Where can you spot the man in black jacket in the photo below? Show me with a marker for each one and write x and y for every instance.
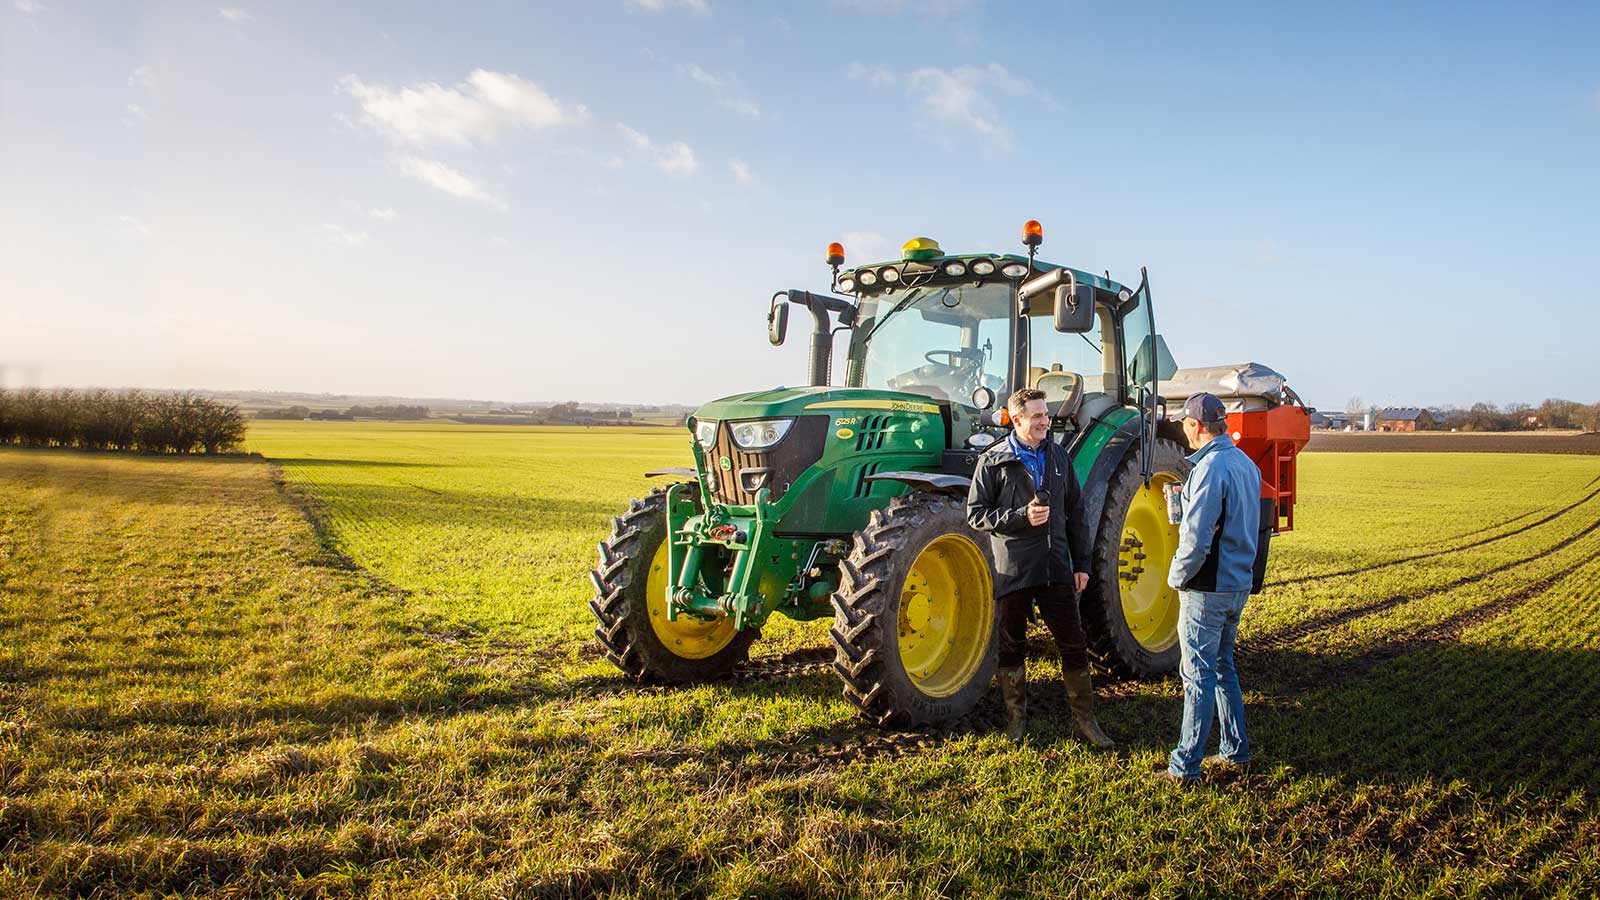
(1024, 494)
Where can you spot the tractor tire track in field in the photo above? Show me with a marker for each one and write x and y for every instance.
(805, 661)
(1301, 579)
(1284, 637)
(1517, 518)
(1337, 670)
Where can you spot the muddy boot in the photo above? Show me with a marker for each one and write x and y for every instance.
(1080, 693)
(1014, 688)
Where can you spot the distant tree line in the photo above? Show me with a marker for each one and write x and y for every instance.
(119, 420)
(397, 411)
(1552, 413)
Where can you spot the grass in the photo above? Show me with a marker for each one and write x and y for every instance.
(202, 695)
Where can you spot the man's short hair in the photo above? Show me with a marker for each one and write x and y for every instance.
(1214, 428)
(1018, 402)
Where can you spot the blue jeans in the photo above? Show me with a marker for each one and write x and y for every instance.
(1208, 626)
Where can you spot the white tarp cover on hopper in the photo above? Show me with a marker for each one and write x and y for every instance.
(1240, 386)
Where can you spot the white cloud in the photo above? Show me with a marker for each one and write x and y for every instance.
(867, 246)
(960, 97)
(439, 176)
(481, 107)
(134, 225)
(143, 78)
(700, 7)
(676, 158)
(133, 114)
(724, 89)
(742, 174)
(383, 214)
(344, 236)
(235, 15)
(28, 7)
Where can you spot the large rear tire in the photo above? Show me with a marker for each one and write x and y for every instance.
(913, 626)
(1129, 613)
(630, 603)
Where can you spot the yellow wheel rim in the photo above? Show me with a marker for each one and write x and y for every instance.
(946, 615)
(1148, 544)
(687, 636)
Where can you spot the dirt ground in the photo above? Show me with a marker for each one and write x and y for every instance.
(1460, 442)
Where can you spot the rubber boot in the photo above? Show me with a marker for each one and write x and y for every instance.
(1080, 693)
(1014, 689)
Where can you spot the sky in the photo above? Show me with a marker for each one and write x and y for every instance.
(594, 201)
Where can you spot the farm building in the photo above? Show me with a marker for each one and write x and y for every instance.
(1405, 419)
(1333, 421)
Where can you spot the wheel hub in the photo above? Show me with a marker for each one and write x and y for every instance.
(1149, 542)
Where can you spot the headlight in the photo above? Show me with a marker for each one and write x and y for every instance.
(867, 279)
(760, 435)
(983, 267)
(1014, 270)
(706, 434)
(889, 275)
(847, 283)
(955, 269)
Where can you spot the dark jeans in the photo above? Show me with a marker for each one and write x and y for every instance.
(1058, 607)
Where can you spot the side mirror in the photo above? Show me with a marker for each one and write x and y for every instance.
(1075, 307)
(777, 321)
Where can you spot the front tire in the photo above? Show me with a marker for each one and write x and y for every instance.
(1129, 613)
(630, 604)
(913, 628)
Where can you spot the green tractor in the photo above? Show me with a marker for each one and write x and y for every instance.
(848, 502)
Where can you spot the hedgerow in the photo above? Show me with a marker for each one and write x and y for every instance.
(119, 420)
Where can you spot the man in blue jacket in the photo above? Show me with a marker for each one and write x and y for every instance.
(1213, 572)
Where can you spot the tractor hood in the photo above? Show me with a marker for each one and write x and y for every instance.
(813, 400)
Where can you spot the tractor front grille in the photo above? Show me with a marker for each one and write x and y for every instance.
(748, 471)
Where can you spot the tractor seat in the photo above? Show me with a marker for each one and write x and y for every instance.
(1063, 391)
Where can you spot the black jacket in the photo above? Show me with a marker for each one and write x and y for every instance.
(1027, 555)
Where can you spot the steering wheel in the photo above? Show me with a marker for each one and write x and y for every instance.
(952, 356)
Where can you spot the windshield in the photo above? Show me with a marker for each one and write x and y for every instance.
(942, 341)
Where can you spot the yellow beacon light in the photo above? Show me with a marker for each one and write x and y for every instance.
(921, 248)
(1032, 233)
(835, 254)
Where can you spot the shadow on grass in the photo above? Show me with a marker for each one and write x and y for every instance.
(1493, 717)
(404, 505)
(312, 461)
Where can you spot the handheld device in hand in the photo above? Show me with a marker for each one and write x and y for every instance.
(1041, 497)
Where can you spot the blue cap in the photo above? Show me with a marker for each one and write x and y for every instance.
(1203, 408)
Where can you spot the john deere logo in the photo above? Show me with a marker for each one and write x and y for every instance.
(844, 434)
(726, 464)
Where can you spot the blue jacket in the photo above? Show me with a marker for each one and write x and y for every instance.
(1221, 521)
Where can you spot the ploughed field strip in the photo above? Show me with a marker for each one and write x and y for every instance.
(195, 697)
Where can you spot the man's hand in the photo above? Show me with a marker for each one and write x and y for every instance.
(1038, 513)
(1080, 581)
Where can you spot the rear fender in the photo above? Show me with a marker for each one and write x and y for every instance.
(954, 485)
(1124, 441)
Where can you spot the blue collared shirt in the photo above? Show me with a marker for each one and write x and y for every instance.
(1223, 477)
(1036, 459)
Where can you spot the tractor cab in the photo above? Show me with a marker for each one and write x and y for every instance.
(967, 330)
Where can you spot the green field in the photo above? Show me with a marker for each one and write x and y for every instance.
(203, 694)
